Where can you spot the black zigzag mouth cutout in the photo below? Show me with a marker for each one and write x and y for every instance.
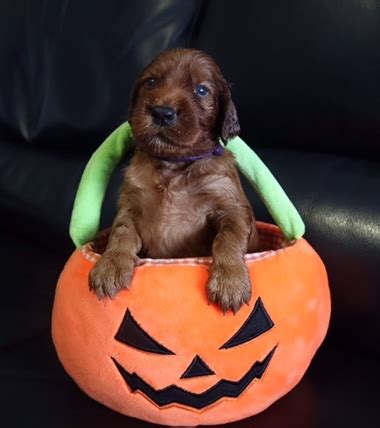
(173, 394)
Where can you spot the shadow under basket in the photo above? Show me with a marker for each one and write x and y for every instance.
(160, 352)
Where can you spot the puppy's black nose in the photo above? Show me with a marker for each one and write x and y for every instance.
(163, 115)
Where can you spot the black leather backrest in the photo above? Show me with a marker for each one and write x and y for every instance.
(67, 68)
(305, 73)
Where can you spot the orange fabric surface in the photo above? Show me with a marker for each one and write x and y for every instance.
(169, 302)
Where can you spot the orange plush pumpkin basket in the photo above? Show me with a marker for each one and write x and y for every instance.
(161, 353)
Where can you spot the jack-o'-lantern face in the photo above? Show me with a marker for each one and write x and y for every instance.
(132, 334)
(161, 353)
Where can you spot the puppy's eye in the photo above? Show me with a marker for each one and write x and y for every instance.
(201, 90)
(152, 81)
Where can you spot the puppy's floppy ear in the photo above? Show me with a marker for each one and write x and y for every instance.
(228, 122)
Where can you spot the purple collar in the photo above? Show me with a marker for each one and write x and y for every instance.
(217, 151)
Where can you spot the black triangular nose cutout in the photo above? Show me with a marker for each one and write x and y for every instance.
(197, 368)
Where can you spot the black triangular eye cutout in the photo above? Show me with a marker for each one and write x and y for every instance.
(197, 368)
(256, 324)
(133, 335)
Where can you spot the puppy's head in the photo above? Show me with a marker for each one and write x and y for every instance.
(181, 104)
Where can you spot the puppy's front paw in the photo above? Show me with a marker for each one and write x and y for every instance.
(109, 276)
(229, 288)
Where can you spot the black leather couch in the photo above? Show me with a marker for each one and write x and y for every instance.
(306, 78)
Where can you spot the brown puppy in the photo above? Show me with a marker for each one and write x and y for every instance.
(181, 197)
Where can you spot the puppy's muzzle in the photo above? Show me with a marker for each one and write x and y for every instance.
(163, 115)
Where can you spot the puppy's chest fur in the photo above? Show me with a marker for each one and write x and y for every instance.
(174, 208)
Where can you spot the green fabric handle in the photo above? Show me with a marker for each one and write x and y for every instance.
(85, 217)
(271, 193)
